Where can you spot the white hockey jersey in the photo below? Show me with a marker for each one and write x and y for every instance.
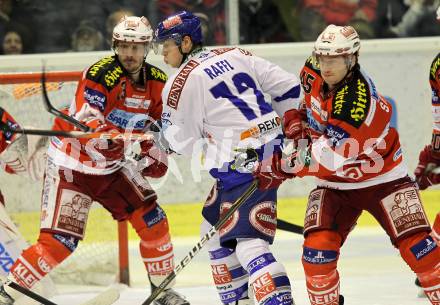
(225, 99)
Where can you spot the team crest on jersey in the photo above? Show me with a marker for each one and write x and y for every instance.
(73, 212)
(178, 83)
(263, 217)
(405, 210)
(232, 220)
(314, 204)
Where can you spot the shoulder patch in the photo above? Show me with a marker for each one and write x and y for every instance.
(154, 73)
(107, 72)
(351, 102)
(178, 83)
(313, 64)
(435, 67)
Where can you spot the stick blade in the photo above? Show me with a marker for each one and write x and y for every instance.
(107, 297)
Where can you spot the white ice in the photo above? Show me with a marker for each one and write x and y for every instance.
(372, 273)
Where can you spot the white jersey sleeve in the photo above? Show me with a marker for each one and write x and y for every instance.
(283, 87)
(183, 120)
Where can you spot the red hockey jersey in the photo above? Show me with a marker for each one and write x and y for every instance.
(124, 105)
(354, 143)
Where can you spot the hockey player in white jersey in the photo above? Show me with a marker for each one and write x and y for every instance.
(218, 103)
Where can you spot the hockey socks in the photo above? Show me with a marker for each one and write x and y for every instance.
(267, 277)
(320, 256)
(39, 259)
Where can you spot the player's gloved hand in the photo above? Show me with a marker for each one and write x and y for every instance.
(269, 172)
(7, 123)
(13, 146)
(428, 170)
(294, 125)
(156, 129)
(103, 149)
(154, 161)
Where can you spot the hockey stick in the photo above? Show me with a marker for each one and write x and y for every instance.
(289, 227)
(187, 259)
(28, 293)
(107, 297)
(79, 134)
(49, 107)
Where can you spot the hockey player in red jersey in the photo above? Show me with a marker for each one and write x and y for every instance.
(428, 170)
(356, 157)
(122, 93)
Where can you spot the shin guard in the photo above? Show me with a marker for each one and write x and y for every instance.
(267, 277)
(320, 257)
(421, 252)
(230, 278)
(156, 249)
(39, 259)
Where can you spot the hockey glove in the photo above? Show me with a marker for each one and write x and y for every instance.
(154, 161)
(159, 138)
(428, 170)
(103, 149)
(294, 124)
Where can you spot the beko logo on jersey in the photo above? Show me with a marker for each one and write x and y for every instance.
(178, 83)
(127, 120)
(95, 98)
(262, 129)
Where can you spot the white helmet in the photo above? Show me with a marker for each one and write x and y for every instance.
(337, 40)
(133, 29)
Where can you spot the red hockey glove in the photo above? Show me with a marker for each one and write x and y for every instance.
(7, 122)
(428, 170)
(294, 125)
(111, 150)
(153, 160)
(270, 172)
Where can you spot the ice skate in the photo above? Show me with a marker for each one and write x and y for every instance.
(421, 292)
(169, 297)
(5, 298)
(341, 299)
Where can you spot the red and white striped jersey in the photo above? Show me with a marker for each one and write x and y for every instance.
(125, 105)
(354, 143)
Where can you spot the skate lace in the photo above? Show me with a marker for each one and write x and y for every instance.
(171, 297)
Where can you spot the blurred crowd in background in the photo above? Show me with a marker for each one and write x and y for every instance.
(40, 26)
